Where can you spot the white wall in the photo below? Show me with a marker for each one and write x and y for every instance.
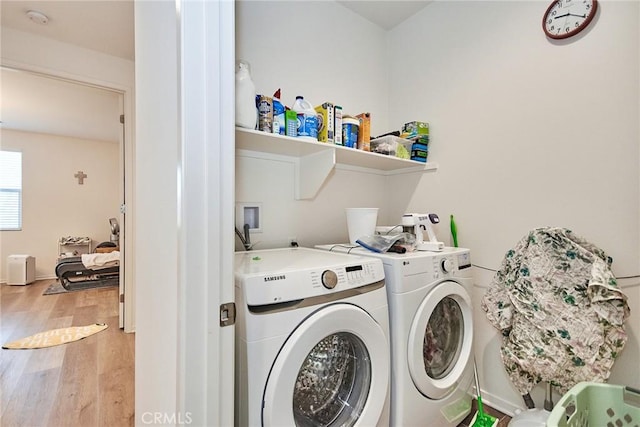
(32, 52)
(54, 205)
(343, 63)
(317, 49)
(526, 132)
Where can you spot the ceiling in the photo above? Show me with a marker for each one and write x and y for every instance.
(102, 25)
(36, 103)
(41, 104)
(386, 14)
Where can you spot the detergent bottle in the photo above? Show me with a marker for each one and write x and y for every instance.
(279, 122)
(246, 111)
(307, 119)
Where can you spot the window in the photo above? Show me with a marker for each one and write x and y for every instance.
(10, 190)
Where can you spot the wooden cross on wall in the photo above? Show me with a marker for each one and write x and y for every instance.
(81, 176)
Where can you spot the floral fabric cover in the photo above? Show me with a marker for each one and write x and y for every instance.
(559, 309)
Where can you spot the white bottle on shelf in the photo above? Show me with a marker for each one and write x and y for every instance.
(246, 111)
(307, 119)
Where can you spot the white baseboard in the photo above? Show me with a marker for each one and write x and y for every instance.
(4, 281)
(501, 404)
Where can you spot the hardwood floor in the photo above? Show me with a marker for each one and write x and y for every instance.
(503, 420)
(84, 383)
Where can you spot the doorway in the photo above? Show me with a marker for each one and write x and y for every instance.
(84, 120)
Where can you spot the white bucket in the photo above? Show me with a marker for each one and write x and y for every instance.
(530, 418)
(361, 222)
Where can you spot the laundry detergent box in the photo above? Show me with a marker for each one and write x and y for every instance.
(414, 129)
(326, 127)
(420, 151)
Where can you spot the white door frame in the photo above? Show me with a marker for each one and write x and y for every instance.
(206, 219)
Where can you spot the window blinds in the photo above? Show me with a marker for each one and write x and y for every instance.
(10, 190)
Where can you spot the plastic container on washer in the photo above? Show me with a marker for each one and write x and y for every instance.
(307, 119)
(530, 418)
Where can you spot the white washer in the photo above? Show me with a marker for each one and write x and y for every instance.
(431, 326)
(312, 342)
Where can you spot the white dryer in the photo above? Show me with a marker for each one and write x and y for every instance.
(431, 326)
(312, 343)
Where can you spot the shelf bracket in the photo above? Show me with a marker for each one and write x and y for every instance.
(311, 171)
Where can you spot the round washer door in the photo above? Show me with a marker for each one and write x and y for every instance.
(333, 370)
(440, 340)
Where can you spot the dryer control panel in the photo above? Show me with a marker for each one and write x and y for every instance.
(450, 265)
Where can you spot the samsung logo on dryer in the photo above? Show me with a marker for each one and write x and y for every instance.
(272, 278)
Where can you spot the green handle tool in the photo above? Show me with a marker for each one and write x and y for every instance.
(454, 232)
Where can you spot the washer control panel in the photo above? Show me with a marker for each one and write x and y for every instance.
(282, 275)
(344, 277)
(329, 279)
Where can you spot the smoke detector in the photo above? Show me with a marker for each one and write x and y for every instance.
(38, 17)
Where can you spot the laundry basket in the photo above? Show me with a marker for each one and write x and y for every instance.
(597, 405)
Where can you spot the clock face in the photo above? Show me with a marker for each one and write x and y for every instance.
(566, 18)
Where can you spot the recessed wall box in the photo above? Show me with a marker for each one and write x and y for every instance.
(249, 213)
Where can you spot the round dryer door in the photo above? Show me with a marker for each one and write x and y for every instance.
(440, 340)
(332, 371)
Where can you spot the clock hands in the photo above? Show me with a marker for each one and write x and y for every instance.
(569, 14)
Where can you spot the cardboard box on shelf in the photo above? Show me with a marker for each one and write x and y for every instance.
(337, 122)
(326, 127)
(364, 136)
(414, 129)
(419, 152)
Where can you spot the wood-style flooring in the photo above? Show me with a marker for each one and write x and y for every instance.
(503, 420)
(84, 383)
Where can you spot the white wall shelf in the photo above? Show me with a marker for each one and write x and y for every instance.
(315, 160)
